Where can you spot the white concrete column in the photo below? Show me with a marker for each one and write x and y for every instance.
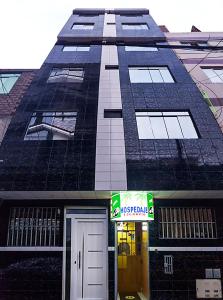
(110, 168)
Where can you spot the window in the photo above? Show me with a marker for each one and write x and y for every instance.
(112, 113)
(195, 45)
(215, 75)
(51, 126)
(187, 223)
(7, 81)
(168, 264)
(165, 125)
(74, 75)
(140, 48)
(150, 75)
(34, 226)
(131, 15)
(213, 273)
(88, 15)
(202, 44)
(83, 26)
(76, 48)
(135, 26)
(111, 67)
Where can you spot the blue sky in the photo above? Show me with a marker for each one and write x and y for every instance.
(29, 28)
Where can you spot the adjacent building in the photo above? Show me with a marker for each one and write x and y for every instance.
(201, 53)
(111, 171)
(13, 84)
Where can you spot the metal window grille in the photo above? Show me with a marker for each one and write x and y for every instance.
(168, 264)
(34, 226)
(187, 223)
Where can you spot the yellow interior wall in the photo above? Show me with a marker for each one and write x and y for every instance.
(133, 268)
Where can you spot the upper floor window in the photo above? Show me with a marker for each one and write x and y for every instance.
(165, 125)
(215, 75)
(7, 81)
(135, 26)
(150, 75)
(131, 15)
(76, 48)
(194, 44)
(140, 48)
(83, 26)
(66, 75)
(51, 126)
(202, 44)
(88, 15)
(187, 223)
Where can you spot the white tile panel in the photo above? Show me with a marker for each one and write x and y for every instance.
(103, 150)
(110, 144)
(117, 143)
(118, 150)
(103, 186)
(102, 176)
(118, 167)
(119, 185)
(103, 136)
(102, 159)
(104, 168)
(118, 176)
(103, 143)
(118, 159)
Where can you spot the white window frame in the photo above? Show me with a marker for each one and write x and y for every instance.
(140, 49)
(143, 74)
(214, 74)
(76, 48)
(83, 26)
(66, 75)
(135, 26)
(50, 123)
(165, 125)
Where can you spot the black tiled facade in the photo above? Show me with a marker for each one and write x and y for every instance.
(169, 164)
(31, 275)
(54, 165)
(47, 169)
(188, 266)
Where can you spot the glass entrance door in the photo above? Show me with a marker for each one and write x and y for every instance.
(132, 238)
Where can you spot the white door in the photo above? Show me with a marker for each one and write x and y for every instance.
(89, 258)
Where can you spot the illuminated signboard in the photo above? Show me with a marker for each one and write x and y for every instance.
(128, 206)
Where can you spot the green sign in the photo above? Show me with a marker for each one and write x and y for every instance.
(135, 206)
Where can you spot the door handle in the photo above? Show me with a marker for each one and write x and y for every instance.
(79, 259)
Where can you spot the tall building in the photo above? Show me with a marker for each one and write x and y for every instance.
(111, 171)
